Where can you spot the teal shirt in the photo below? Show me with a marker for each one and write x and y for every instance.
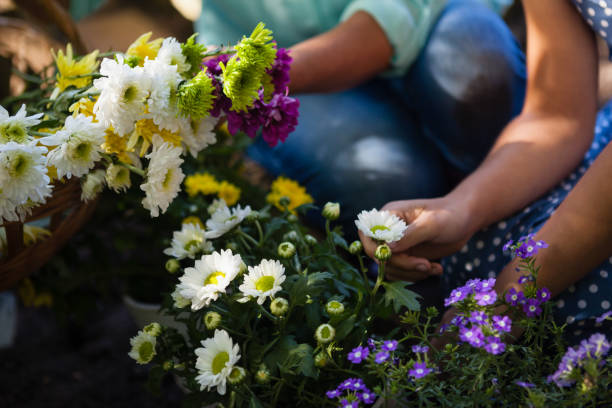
(405, 22)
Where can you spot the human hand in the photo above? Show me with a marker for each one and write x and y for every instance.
(436, 228)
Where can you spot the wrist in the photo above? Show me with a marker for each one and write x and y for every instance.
(466, 205)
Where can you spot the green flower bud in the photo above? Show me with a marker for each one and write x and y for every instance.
(279, 306)
(331, 211)
(195, 97)
(291, 236)
(325, 333)
(232, 246)
(253, 216)
(172, 265)
(168, 365)
(310, 240)
(383, 253)
(356, 247)
(432, 311)
(292, 218)
(243, 268)
(236, 375)
(286, 249)
(284, 201)
(334, 308)
(179, 366)
(262, 376)
(321, 359)
(154, 329)
(212, 320)
(132, 61)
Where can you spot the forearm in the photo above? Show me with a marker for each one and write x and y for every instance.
(345, 56)
(578, 234)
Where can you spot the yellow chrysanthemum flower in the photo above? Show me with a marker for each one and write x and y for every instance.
(143, 48)
(68, 68)
(84, 106)
(229, 193)
(192, 219)
(117, 145)
(144, 129)
(284, 187)
(204, 183)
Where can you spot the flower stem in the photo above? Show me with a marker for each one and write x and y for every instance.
(379, 279)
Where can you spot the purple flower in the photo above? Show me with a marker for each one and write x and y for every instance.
(543, 295)
(349, 404)
(486, 285)
(494, 345)
(420, 349)
(473, 336)
(514, 298)
(346, 384)
(381, 357)
(331, 394)
(507, 245)
(458, 321)
(478, 317)
(529, 248)
(603, 317)
(352, 384)
(523, 279)
(443, 327)
(600, 345)
(502, 323)
(455, 296)
(371, 343)
(367, 396)
(532, 307)
(212, 64)
(358, 354)
(472, 285)
(524, 384)
(248, 122)
(419, 370)
(280, 118)
(280, 70)
(486, 298)
(389, 345)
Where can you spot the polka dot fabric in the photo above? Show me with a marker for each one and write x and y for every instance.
(598, 14)
(483, 257)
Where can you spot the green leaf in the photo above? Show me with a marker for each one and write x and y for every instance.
(254, 402)
(274, 225)
(345, 328)
(338, 240)
(312, 284)
(397, 294)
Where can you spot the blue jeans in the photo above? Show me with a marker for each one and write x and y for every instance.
(409, 137)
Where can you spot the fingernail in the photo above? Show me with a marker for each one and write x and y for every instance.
(422, 268)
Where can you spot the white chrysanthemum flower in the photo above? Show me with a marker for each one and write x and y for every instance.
(143, 347)
(198, 135)
(118, 177)
(170, 53)
(179, 300)
(381, 225)
(93, 185)
(224, 219)
(23, 176)
(263, 281)
(15, 128)
(164, 176)
(216, 361)
(78, 146)
(123, 93)
(162, 102)
(215, 205)
(209, 277)
(188, 242)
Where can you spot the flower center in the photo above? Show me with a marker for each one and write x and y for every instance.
(145, 351)
(20, 165)
(376, 228)
(265, 283)
(130, 94)
(219, 362)
(167, 178)
(82, 150)
(213, 278)
(325, 333)
(193, 244)
(14, 132)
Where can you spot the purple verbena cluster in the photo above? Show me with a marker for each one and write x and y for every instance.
(573, 364)
(481, 290)
(420, 368)
(352, 391)
(531, 306)
(277, 118)
(525, 247)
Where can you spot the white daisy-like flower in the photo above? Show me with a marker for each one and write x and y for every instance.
(209, 277)
(143, 347)
(215, 362)
(118, 177)
(93, 185)
(224, 219)
(197, 135)
(263, 281)
(23, 176)
(381, 225)
(187, 242)
(179, 300)
(162, 102)
(215, 205)
(170, 53)
(78, 146)
(15, 128)
(164, 176)
(123, 93)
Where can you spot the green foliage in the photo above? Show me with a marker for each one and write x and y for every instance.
(397, 294)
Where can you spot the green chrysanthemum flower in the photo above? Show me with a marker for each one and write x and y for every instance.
(194, 53)
(195, 97)
(258, 48)
(241, 81)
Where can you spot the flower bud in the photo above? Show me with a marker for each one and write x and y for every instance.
(172, 265)
(321, 359)
(284, 202)
(93, 185)
(334, 308)
(279, 306)
(262, 376)
(168, 365)
(383, 253)
(356, 247)
(154, 329)
(252, 217)
(243, 268)
(232, 246)
(325, 333)
(310, 240)
(292, 218)
(331, 211)
(212, 320)
(291, 236)
(236, 375)
(179, 366)
(286, 249)
(118, 178)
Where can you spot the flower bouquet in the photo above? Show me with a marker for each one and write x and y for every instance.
(96, 122)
